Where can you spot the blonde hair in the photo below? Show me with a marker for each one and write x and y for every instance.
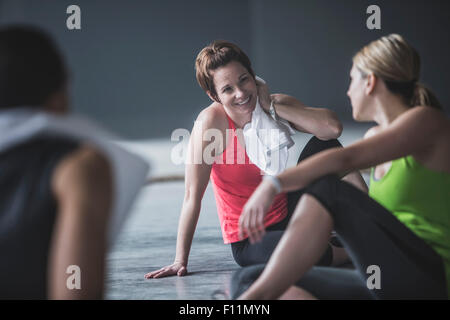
(397, 63)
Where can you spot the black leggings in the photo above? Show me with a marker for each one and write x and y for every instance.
(246, 254)
(409, 267)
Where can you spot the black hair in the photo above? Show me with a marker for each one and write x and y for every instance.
(31, 67)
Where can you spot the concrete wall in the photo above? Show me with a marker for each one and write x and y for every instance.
(132, 64)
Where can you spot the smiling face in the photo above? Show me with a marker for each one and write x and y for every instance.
(358, 97)
(235, 87)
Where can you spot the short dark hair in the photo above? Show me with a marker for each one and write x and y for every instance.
(31, 67)
(216, 55)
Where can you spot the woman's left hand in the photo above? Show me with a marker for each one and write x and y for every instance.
(251, 221)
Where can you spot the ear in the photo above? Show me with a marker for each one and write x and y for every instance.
(212, 97)
(370, 84)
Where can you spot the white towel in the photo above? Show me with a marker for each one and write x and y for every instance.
(129, 171)
(267, 140)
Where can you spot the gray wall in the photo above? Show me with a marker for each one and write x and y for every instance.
(133, 61)
(305, 47)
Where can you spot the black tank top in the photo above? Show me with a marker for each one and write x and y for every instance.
(27, 214)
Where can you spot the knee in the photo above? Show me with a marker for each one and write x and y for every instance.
(324, 190)
(315, 145)
(325, 144)
(239, 256)
(238, 260)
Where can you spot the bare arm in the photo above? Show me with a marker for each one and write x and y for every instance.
(82, 184)
(321, 122)
(196, 181)
(414, 132)
(197, 178)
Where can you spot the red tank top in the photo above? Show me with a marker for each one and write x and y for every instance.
(234, 178)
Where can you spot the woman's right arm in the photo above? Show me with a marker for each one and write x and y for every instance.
(196, 180)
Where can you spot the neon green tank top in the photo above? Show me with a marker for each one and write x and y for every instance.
(420, 199)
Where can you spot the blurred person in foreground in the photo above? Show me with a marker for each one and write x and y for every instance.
(58, 181)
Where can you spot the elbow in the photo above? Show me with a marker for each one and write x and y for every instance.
(332, 127)
(188, 196)
(336, 128)
(192, 197)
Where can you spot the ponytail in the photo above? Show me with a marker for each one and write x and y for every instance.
(423, 96)
(397, 63)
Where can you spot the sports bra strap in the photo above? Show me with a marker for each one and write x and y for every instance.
(230, 122)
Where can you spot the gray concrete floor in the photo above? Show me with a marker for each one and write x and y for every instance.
(147, 240)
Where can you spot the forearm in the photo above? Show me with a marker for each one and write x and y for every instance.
(186, 229)
(321, 122)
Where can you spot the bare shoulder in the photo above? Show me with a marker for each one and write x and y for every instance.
(430, 128)
(425, 116)
(424, 121)
(213, 117)
(85, 168)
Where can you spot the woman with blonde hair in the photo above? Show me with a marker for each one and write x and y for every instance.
(398, 236)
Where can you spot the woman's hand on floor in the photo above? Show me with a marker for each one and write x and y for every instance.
(174, 269)
(251, 221)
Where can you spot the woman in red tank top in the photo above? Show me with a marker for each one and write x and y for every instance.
(224, 71)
